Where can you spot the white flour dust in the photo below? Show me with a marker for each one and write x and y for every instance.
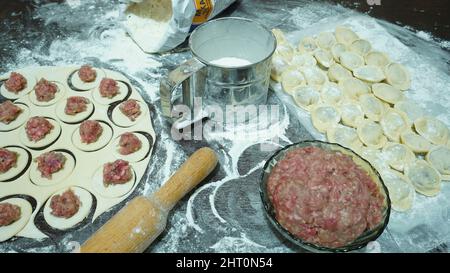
(231, 62)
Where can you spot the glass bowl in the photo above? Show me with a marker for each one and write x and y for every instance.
(363, 239)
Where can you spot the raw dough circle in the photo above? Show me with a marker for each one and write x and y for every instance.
(59, 94)
(306, 97)
(79, 84)
(303, 59)
(325, 40)
(307, 45)
(22, 161)
(432, 129)
(101, 142)
(123, 92)
(338, 73)
(345, 35)
(398, 76)
(111, 191)
(369, 73)
(62, 223)
(398, 155)
(351, 60)
(360, 47)
(331, 93)
(325, 116)
(31, 82)
(401, 192)
(47, 140)
(123, 121)
(136, 156)
(439, 158)
(345, 136)
(425, 179)
(387, 93)
(6, 232)
(36, 177)
(353, 88)
(79, 117)
(377, 58)
(19, 121)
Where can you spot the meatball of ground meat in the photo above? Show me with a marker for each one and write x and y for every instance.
(45, 91)
(65, 205)
(109, 88)
(16, 82)
(76, 105)
(90, 131)
(131, 109)
(8, 160)
(9, 213)
(129, 143)
(117, 172)
(9, 112)
(50, 163)
(87, 73)
(37, 128)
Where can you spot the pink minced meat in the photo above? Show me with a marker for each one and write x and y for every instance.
(45, 91)
(129, 143)
(131, 109)
(117, 172)
(16, 82)
(108, 88)
(65, 205)
(9, 112)
(87, 73)
(323, 197)
(90, 131)
(50, 163)
(37, 128)
(9, 213)
(76, 105)
(8, 160)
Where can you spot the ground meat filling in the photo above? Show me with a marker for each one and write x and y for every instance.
(8, 160)
(9, 213)
(9, 112)
(90, 131)
(323, 197)
(117, 172)
(37, 128)
(109, 88)
(16, 83)
(131, 109)
(87, 73)
(65, 205)
(76, 105)
(45, 91)
(50, 163)
(129, 143)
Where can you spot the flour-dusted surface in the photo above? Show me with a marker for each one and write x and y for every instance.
(224, 213)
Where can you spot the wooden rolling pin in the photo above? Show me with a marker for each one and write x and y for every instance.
(144, 218)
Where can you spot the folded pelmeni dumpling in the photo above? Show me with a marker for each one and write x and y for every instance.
(401, 191)
(425, 179)
(345, 35)
(351, 60)
(371, 134)
(291, 78)
(314, 76)
(375, 158)
(285, 50)
(324, 57)
(387, 93)
(279, 36)
(307, 45)
(337, 73)
(279, 65)
(360, 47)
(331, 93)
(336, 51)
(394, 123)
(303, 59)
(306, 97)
(346, 136)
(398, 155)
(369, 73)
(324, 116)
(372, 107)
(353, 88)
(432, 129)
(351, 114)
(439, 158)
(398, 76)
(411, 109)
(377, 58)
(325, 40)
(415, 142)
